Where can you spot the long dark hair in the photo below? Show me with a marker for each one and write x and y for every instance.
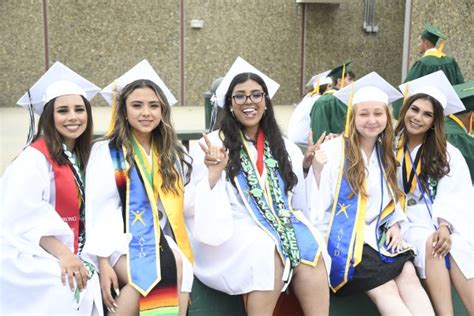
(434, 160)
(47, 129)
(164, 136)
(230, 126)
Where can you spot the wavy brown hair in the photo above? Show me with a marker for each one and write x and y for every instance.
(356, 172)
(230, 126)
(165, 140)
(47, 129)
(434, 157)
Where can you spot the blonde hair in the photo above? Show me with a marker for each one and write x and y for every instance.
(355, 171)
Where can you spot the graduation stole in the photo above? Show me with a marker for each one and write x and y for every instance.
(150, 261)
(270, 207)
(330, 91)
(436, 52)
(346, 228)
(410, 175)
(68, 199)
(459, 122)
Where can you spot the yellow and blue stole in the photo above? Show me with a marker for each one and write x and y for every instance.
(270, 207)
(346, 228)
(150, 261)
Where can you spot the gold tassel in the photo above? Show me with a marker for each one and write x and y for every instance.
(349, 110)
(316, 88)
(343, 75)
(440, 48)
(114, 110)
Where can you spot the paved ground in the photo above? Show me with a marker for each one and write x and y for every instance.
(14, 125)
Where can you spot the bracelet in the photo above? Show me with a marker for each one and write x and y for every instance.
(448, 226)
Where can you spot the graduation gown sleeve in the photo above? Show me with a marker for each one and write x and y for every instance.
(328, 115)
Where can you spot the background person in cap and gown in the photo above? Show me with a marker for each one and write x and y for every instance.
(433, 59)
(135, 185)
(299, 124)
(328, 113)
(249, 233)
(355, 201)
(458, 127)
(440, 204)
(42, 234)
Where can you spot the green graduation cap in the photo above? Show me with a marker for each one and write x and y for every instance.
(465, 92)
(432, 33)
(336, 73)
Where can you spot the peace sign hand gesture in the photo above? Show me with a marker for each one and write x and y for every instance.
(215, 159)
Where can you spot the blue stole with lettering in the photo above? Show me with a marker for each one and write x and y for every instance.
(267, 208)
(347, 225)
(141, 218)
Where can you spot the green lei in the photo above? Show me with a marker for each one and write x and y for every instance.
(282, 221)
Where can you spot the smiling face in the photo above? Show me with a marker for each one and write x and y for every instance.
(70, 118)
(370, 118)
(419, 118)
(248, 105)
(143, 111)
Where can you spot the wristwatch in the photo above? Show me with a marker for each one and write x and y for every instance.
(448, 226)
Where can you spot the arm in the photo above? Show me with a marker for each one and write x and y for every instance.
(71, 265)
(212, 223)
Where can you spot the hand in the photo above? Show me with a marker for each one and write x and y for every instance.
(393, 239)
(320, 158)
(72, 267)
(216, 158)
(108, 280)
(312, 148)
(441, 242)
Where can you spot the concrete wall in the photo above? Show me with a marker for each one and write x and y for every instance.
(290, 42)
(335, 34)
(455, 19)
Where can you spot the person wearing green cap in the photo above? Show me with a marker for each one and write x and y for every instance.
(328, 113)
(431, 46)
(458, 126)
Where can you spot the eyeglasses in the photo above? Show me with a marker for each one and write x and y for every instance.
(255, 97)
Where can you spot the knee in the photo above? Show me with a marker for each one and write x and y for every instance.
(429, 244)
(408, 274)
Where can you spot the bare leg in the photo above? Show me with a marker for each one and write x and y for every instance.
(387, 299)
(437, 281)
(411, 291)
(311, 288)
(464, 287)
(128, 300)
(262, 303)
(183, 296)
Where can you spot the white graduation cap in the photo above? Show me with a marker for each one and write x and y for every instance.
(142, 70)
(438, 86)
(371, 87)
(240, 66)
(57, 81)
(319, 80)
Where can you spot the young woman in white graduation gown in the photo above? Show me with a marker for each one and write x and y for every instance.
(135, 185)
(354, 198)
(439, 194)
(248, 232)
(42, 205)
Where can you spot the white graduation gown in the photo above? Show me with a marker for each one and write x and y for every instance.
(105, 231)
(232, 253)
(30, 277)
(322, 197)
(454, 203)
(299, 125)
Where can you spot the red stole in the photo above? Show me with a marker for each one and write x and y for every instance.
(67, 194)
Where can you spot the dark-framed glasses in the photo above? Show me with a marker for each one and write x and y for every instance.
(255, 97)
